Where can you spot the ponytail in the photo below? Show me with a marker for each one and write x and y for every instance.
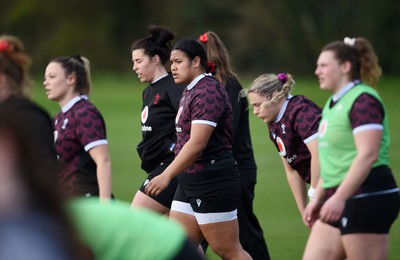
(369, 67)
(80, 66)
(14, 64)
(218, 54)
(360, 53)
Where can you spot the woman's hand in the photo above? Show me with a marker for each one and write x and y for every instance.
(311, 213)
(332, 209)
(157, 185)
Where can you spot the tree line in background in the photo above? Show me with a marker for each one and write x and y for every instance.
(261, 35)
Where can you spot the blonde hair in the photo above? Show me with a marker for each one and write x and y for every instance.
(273, 87)
(14, 64)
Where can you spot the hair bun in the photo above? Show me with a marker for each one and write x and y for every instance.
(160, 34)
(282, 77)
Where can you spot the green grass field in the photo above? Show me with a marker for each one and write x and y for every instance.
(118, 97)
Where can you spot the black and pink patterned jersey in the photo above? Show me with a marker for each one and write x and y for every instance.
(78, 128)
(296, 125)
(366, 112)
(205, 101)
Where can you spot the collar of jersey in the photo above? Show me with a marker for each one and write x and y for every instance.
(194, 82)
(283, 108)
(72, 102)
(344, 90)
(163, 76)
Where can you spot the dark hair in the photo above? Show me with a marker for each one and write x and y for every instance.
(192, 48)
(80, 66)
(14, 63)
(157, 43)
(361, 55)
(218, 54)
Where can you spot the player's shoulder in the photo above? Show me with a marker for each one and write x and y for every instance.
(300, 102)
(84, 108)
(18, 104)
(233, 82)
(208, 84)
(367, 98)
(83, 105)
(26, 111)
(168, 85)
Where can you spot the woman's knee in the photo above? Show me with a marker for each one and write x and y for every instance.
(226, 250)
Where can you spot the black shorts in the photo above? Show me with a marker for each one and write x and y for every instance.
(92, 191)
(371, 214)
(215, 189)
(86, 189)
(167, 195)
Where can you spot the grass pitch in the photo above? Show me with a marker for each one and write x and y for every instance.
(118, 97)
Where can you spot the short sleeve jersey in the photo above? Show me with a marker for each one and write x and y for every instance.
(160, 105)
(205, 101)
(78, 128)
(296, 125)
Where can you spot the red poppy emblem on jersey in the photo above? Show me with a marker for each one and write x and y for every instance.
(322, 127)
(145, 114)
(178, 115)
(281, 146)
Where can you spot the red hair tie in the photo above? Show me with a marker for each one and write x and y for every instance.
(211, 68)
(4, 45)
(203, 38)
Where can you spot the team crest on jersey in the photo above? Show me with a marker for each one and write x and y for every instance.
(145, 114)
(322, 127)
(283, 126)
(178, 115)
(64, 125)
(55, 136)
(281, 146)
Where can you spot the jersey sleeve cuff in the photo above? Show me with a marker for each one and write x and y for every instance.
(94, 144)
(310, 138)
(204, 122)
(362, 128)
